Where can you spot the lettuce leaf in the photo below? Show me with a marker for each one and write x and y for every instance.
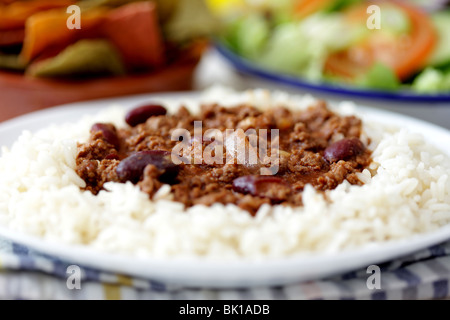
(379, 76)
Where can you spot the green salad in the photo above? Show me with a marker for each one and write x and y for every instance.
(384, 45)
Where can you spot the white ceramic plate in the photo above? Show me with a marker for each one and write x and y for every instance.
(215, 274)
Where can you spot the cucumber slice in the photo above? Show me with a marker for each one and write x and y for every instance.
(432, 81)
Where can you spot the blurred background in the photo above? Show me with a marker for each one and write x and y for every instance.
(393, 55)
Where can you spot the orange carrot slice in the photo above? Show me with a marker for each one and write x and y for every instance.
(49, 29)
(15, 14)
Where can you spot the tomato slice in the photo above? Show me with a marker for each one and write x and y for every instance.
(405, 54)
(304, 8)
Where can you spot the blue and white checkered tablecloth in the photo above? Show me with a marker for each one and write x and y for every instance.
(27, 274)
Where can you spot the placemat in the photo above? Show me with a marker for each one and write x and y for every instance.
(27, 274)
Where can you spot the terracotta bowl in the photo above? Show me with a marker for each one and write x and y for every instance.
(20, 94)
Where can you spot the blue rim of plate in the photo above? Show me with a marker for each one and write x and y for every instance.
(244, 66)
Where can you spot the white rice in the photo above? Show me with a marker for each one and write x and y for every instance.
(406, 192)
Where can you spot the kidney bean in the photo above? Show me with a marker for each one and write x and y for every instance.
(271, 187)
(108, 131)
(132, 168)
(344, 149)
(141, 114)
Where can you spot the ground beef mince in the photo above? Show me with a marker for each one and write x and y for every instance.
(315, 146)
